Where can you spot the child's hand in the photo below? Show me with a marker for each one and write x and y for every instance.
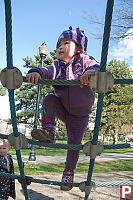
(84, 79)
(33, 77)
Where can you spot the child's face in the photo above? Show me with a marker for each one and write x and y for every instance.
(66, 50)
(3, 149)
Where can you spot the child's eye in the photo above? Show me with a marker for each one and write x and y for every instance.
(58, 45)
(66, 42)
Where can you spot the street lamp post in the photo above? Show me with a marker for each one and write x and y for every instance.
(43, 51)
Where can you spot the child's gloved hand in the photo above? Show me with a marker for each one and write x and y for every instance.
(85, 78)
(33, 77)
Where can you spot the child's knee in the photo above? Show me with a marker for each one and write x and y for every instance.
(49, 99)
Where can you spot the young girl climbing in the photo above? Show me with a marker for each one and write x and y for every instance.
(7, 185)
(71, 104)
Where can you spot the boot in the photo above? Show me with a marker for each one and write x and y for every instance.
(46, 135)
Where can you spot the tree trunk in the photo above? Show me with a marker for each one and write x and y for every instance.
(113, 139)
(116, 138)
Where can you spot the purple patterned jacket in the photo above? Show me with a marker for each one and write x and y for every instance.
(77, 101)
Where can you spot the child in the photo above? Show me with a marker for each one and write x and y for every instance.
(71, 104)
(7, 185)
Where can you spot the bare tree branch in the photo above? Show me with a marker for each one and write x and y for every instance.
(122, 20)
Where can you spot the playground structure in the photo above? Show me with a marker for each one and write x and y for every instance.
(101, 82)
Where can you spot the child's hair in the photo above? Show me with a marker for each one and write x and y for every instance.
(79, 51)
(5, 142)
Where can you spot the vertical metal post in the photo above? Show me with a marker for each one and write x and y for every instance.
(43, 50)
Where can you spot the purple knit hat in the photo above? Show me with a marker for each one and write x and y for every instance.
(77, 35)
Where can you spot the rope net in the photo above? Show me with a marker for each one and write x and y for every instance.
(25, 179)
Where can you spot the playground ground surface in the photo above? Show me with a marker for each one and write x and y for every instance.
(38, 191)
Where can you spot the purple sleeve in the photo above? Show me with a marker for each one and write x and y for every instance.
(45, 72)
(89, 63)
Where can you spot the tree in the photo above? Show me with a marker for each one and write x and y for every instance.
(26, 95)
(2, 91)
(122, 21)
(118, 103)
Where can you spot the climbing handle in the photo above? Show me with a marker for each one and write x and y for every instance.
(93, 150)
(19, 142)
(11, 78)
(101, 82)
(87, 188)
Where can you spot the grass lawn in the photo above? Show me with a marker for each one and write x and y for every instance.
(61, 152)
(99, 167)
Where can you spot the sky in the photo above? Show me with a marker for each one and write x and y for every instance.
(35, 22)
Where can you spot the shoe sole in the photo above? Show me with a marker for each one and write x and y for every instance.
(65, 188)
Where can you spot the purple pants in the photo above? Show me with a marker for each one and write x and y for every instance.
(75, 125)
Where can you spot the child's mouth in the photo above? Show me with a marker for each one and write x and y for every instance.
(61, 52)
